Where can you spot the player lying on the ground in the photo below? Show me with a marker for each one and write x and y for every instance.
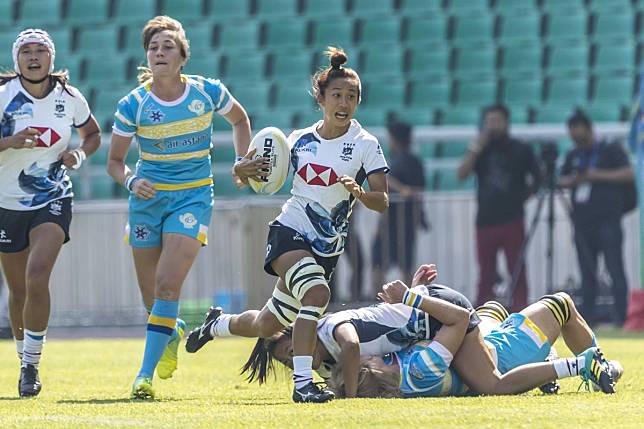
(338, 334)
(518, 345)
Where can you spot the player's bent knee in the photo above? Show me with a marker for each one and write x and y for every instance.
(304, 276)
(560, 305)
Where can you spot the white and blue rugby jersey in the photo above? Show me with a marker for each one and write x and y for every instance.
(32, 178)
(174, 137)
(320, 206)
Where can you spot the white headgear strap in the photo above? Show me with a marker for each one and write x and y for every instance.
(33, 35)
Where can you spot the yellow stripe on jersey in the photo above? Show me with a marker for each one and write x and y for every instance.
(202, 236)
(533, 331)
(177, 128)
(168, 322)
(447, 383)
(427, 359)
(147, 156)
(181, 186)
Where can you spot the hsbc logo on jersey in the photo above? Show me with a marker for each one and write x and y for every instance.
(318, 175)
(48, 137)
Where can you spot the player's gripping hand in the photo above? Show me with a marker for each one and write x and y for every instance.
(425, 274)
(143, 189)
(25, 139)
(392, 292)
(247, 167)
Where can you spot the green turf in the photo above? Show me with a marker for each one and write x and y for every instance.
(86, 384)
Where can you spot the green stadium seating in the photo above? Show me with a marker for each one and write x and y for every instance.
(77, 185)
(562, 6)
(421, 116)
(103, 187)
(226, 10)
(223, 154)
(519, 113)
(97, 73)
(467, 7)
(475, 28)
(609, 6)
(134, 12)
(434, 94)
(133, 43)
(305, 118)
(603, 112)
(279, 34)
(446, 180)
(253, 96)
(421, 7)
(520, 59)
(471, 62)
(381, 61)
(614, 58)
(280, 118)
(613, 89)
(372, 116)
(517, 8)
(380, 30)
(206, 65)
(39, 13)
(249, 68)
(86, 13)
(296, 65)
(106, 99)
(362, 8)
(62, 38)
(614, 26)
(385, 93)
(100, 156)
(425, 29)
(460, 115)
(428, 149)
(315, 8)
(520, 28)
(106, 37)
(453, 149)
(568, 26)
(526, 91)
(337, 32)
(573, 91)
(237, 36)
(476, 92)
(275, 8)
(292, 96)
(72, 63)
(424, 62)
(6, 14)
(200, 36)
(571, 61)
(183, 10)
(553, 113)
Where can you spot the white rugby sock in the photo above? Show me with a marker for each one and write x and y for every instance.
(569, 367)
(302, 370)
(33, 344)
(221, 328)
(19, 347)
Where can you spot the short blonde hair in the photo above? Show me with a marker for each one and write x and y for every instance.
(372, 382)
(156, 25)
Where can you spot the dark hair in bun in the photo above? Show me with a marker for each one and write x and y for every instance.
(322, 78)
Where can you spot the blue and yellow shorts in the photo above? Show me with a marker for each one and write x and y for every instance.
(517, 341)
(185, 212)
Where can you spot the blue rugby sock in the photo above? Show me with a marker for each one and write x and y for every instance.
(161, 325)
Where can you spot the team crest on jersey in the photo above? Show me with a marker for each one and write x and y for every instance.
(156, 115)
(318, 175)
(59, 108)
(347, 151)
(48, 137)
(141, 232)
(197, 107)
(55, 208)
(188, 220)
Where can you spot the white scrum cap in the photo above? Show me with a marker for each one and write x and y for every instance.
(33, 35)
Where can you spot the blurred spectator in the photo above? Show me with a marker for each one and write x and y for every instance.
(599, 175)
(507, 173)
(396, 236)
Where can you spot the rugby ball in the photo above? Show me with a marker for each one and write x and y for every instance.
(271, 143)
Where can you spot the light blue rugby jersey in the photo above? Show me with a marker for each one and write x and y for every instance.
(175, 137)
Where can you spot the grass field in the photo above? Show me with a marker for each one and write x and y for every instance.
(86, 384)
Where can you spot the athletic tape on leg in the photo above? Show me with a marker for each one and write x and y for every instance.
(303, 275)
(284, 307)
(310, 312)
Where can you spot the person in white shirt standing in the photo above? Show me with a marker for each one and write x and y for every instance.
(331, 160)
(39, 110)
